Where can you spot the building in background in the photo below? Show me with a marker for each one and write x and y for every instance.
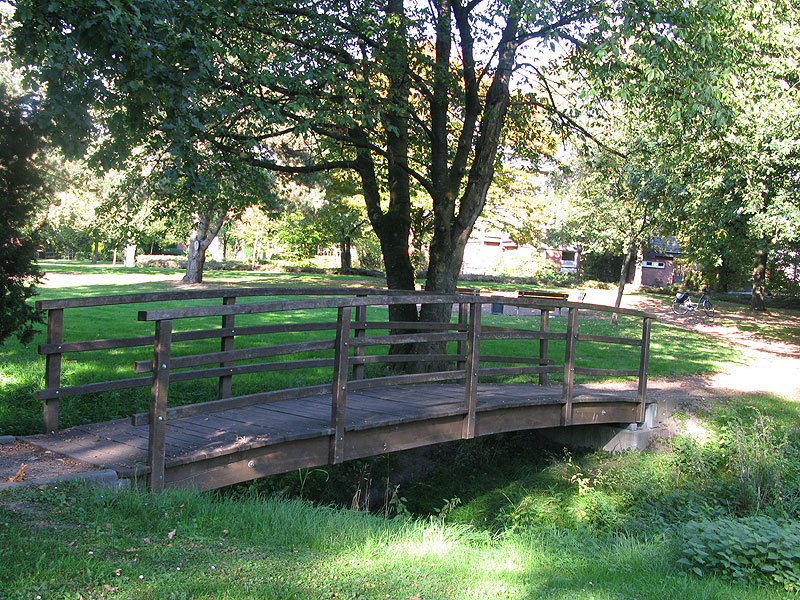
(492, 252)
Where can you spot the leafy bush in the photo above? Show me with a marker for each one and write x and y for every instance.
(757, 548)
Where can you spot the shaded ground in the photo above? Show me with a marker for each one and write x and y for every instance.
(20, 461)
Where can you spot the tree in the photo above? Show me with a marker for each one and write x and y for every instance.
(743, 179)
(620, 202)
(403, 95)
(21, 187)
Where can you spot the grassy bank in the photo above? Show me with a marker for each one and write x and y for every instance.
(77, 543)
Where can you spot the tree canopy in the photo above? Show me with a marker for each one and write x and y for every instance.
(409, 97)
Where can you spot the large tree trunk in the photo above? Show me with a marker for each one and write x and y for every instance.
(758, 298)
(202, 235)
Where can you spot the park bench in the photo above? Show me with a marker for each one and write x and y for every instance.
(540, 294)
(465, 291)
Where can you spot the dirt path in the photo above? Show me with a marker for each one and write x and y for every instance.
(770, 366)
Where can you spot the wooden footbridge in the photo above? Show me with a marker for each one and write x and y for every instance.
(352, 401)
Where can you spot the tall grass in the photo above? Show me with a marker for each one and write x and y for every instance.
(72, 542)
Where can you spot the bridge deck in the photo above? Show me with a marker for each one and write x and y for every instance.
(220, 448)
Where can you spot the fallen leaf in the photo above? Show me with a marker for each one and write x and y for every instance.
(146, 540)
(20, 474)
(132, 550)
(171, 534)
(109, 587)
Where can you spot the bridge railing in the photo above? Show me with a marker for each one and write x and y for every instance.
(55, 348)
(353, 356)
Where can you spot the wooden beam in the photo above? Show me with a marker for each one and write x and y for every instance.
(156, 445)
(339, 388)
(359, 332)
(463, 324)
(472, 369)
(569, 366)
(52, 369)
(644, 359)
(544, 327)
(226, 345)
(610, 340)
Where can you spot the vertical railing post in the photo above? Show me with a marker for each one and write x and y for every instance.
(543, 344)
(226, 345)
(569, 366)
(52, 368)
(643, 362)
(359, 331)
(461, 345)
(473, 364)
(339, 388)
(156, 445)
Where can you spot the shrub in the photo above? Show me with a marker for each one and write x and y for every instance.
(757, 548)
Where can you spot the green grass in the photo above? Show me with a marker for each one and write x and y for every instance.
(71, 543)
(505, 517)
(673, 352)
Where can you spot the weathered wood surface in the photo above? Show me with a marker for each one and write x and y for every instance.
(374, 420)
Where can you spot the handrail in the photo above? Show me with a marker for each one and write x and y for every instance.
(349, 360)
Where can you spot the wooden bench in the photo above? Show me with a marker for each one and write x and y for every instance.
(467, 291)
(539, 294)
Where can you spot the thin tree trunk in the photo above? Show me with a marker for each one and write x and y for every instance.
(114, 257)
(196, 260)
(346, 253)
(758, 298)
(95, 252)
(255, 247)
(130, 255)
(199, 241)
(623, 277)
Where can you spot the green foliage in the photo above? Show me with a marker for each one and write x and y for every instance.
(759, 459)
(757, 548)
(21, 188)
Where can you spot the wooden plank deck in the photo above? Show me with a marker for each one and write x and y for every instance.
(217, 449)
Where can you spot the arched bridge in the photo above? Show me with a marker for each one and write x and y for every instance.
(307, 377)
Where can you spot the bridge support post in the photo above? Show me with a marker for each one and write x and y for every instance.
(543, 344)
(461, 345)
(643, 366)
(339, 388)
(359, 331)
(52, 368)
(226, 345)
(156, 444)
(473, 364)
(569, 366)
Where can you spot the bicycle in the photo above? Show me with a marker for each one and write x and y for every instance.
(683, 303)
